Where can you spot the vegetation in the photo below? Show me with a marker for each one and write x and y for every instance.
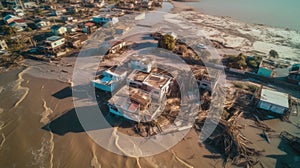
(238, 62)
(254, 61)
(273, 54)
(167, 42)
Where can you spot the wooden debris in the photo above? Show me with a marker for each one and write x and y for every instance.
(229, 139)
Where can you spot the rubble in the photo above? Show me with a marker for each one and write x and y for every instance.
(230, 140)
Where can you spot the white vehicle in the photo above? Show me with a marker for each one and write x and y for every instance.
(202, 46)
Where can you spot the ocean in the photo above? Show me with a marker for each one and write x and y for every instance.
(277, 13)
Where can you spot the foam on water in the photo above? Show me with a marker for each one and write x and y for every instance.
(19, 87)
(47, 111)
(181, 161)
(43, 157)
(95, 162)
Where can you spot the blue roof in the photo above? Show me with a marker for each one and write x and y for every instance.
(53, 38)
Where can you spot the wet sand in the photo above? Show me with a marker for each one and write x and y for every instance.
(30, 141)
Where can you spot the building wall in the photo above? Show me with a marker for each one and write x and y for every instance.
(271, 107)
(58, 43)
(265, 72)
(103, 87)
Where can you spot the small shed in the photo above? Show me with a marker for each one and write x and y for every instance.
(273, 101)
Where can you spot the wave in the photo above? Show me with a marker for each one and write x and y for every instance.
(95, 162)
(47, 111)
(181, 161)
(19, 86)
(51, 146)
(122, 150)
(43, 157)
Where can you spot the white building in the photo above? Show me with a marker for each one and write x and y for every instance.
(273, 101)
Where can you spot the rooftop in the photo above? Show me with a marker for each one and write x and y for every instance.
(157, 81)
(274, 97)
(138, 76)
(53, 38)
(131, 99)
(134, 103)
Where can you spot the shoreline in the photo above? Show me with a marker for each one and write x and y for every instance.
(243, 37)
(185, 3)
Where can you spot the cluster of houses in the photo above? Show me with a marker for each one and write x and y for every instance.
(69, 23)
(139, 88)
(139, 4)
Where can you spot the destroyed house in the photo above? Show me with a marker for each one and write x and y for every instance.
(266, 69)
(110, 79)
(53, 45)
(134, 104)
(156, 84)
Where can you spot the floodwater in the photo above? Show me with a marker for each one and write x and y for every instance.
(278, 13)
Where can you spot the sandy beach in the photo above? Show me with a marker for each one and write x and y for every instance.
(39, 126)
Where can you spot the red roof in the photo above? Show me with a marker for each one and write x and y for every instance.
(20, 21)
(89, 24)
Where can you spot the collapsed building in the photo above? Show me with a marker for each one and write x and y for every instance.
(144, 95)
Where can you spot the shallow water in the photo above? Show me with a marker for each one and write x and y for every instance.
(278, 13)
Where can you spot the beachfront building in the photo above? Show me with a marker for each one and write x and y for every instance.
(110, 79)
(144, 96)
(157, 85)
(134, 104)
(273, 101)
(266, 69)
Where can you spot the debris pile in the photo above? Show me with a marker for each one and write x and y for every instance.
(227, 137)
